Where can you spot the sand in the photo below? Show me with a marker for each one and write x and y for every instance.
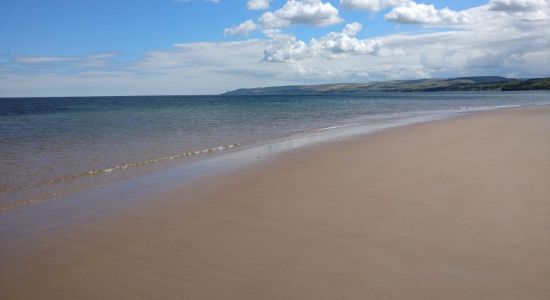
(453, 209)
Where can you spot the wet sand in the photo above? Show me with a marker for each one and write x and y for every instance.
(453, 209)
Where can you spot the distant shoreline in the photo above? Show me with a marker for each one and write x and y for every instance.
(458, 84)
(477, 84)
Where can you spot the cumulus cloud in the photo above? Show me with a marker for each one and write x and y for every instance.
(517, 5)
(496, 45)
(310, 12)
(371, 5)
(243, 29)
(286, 48)
(336, 44)
(257, 4)
(414, 13)
(410, 12)
(532, 10)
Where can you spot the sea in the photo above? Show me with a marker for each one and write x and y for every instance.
(56, 146)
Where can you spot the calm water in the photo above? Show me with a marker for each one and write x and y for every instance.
(48, 141)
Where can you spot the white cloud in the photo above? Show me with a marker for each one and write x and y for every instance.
(243, 29)
(92, 60)
(344, 43)
(271, 21)
(310, 12)
(531, 10)
(495, 45)
(410, 12)
(517, 5)
(414, 13)
(257, 4)
(24, 59)
(286, 48)
(371, 5)
(189, 68)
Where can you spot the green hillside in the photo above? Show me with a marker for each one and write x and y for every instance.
(479, 83)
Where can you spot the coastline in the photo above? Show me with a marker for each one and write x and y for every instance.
(220, 157)
(445, 209)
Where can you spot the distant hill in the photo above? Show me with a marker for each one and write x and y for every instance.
(479, 83)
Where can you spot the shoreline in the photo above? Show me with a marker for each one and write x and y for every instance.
(70, 185)
(443, 209)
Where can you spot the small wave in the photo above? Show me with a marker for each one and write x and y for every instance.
(113, 169)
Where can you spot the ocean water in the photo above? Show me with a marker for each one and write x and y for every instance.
(51, 146)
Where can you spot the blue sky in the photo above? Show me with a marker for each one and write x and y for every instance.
(151, 47)
(65, 27)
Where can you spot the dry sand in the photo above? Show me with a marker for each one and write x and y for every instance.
(454, 209)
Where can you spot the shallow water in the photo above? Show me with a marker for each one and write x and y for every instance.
(53, 145)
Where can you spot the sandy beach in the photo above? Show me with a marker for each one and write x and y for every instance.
(452, 209)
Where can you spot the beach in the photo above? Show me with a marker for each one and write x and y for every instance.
(449, 209)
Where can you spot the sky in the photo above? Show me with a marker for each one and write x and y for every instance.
(185, 47)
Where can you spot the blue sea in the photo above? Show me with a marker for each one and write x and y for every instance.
(52, 146)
